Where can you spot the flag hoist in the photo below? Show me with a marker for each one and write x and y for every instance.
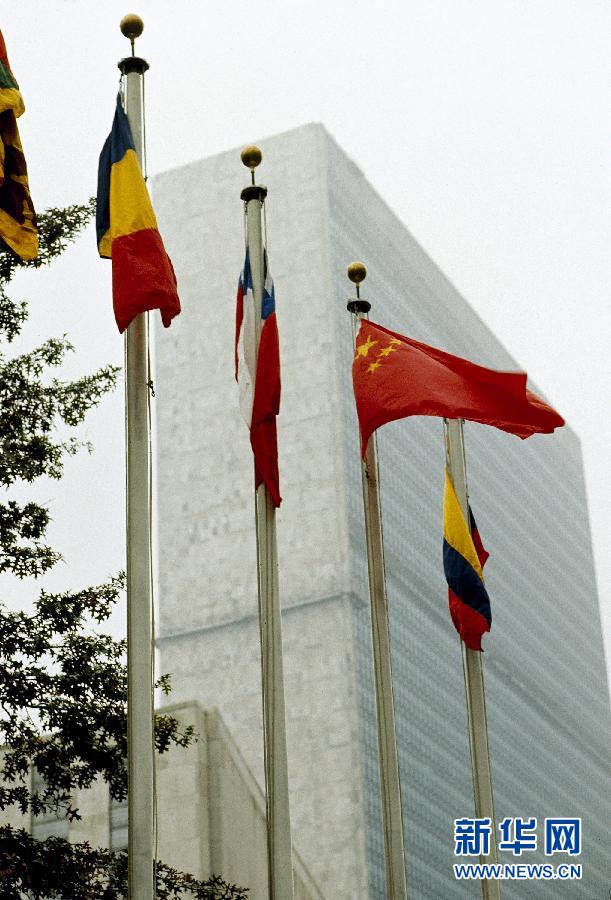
(142, 279)
(396, 886)
(473, 668)
(258, 375)
(140, 748)
(395, 376)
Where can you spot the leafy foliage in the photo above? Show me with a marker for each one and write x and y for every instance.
(70, 685)
(63, 686)
(56, 869)
(56, 229)
(26, 522)
(36, 409)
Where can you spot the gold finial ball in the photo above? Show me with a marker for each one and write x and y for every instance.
(251, 156)
(132, 26)
(357, 272)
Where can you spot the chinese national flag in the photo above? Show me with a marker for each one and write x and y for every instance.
(395, 376)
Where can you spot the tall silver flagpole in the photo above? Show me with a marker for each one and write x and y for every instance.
(139, 574)
(280, 870)
(474, 673)
(396, 884)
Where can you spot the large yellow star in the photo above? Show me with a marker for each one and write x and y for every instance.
(364, 348)
(373, 366)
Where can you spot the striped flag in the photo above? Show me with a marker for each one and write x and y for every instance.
(18, 228)
(464, 557)
(142, 274)
(257, 371)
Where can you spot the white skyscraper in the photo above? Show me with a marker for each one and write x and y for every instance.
(548, 706)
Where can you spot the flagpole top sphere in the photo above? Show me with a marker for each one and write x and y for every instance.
(132, 26)
(251, 156)
(357, 272)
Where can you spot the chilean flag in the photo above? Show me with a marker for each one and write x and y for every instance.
(258, 375)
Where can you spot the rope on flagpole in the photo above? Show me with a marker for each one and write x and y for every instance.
(144, 156)
(151, 393)
(265, 244)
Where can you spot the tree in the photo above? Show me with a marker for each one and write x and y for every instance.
(63, 685)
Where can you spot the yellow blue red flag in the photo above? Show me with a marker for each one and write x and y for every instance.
(463, 562)
(18, 227)
(142, 274)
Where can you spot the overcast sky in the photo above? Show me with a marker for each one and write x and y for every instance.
(484, 125)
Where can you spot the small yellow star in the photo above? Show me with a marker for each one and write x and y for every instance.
(364, 348)
(386, 351)
(373, 366)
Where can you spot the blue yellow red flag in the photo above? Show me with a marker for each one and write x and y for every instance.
(142, 274)
(18, 228)
(464, 557)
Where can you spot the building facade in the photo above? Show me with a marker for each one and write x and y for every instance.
(211, 812)
(548, 705)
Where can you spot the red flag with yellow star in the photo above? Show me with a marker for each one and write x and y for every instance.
(395, 376)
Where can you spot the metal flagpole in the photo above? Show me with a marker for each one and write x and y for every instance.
(139, 574)
(474, 673)
(279, 863)
(396, 885)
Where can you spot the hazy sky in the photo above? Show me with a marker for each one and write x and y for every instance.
(484, 125)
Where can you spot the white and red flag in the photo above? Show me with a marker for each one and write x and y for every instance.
(257, 371)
